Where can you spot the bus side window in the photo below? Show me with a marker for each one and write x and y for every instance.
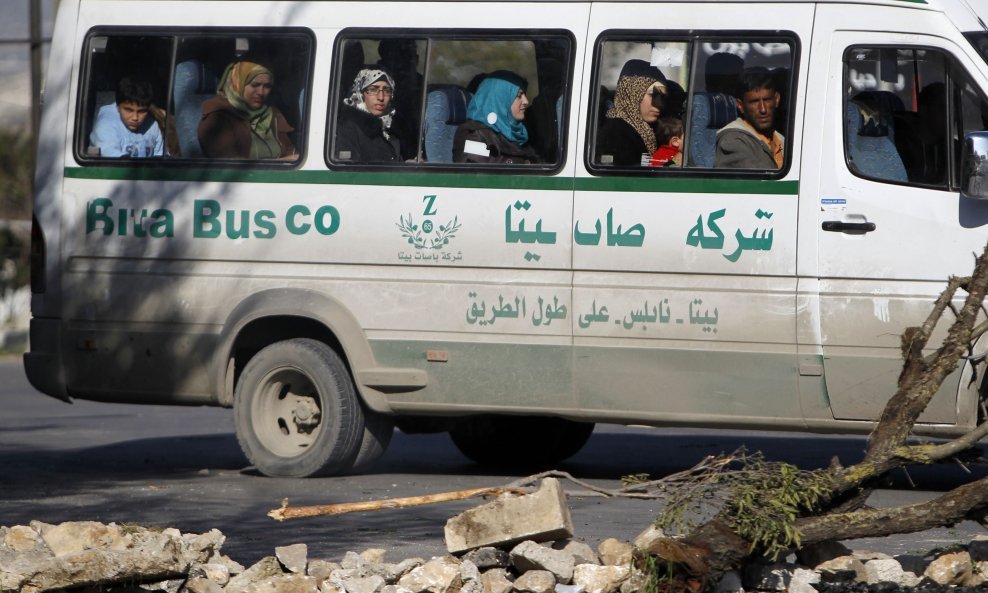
(898, 125)
(242, 96)
(123, 108)
(694, 87)
(488, 101)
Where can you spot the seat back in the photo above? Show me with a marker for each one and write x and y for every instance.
(445, 110)
(194, 83)
(710, 112)
(871, 139)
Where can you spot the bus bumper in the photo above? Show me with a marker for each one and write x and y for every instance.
(43, 363)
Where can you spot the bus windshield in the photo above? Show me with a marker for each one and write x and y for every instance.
(979, 39)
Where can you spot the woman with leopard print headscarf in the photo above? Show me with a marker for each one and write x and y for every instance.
(627, 135)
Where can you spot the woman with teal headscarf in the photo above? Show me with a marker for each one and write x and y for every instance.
(495, 130)
(238, 123)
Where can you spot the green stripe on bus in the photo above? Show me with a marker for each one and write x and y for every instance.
(692, 185)
(429, 179)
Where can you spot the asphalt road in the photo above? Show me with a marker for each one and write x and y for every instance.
(181, 467)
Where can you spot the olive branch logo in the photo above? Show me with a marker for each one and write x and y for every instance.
(419, 236)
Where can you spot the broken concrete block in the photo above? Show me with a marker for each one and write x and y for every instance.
(218, 573)
(540, 516)
(293, 558)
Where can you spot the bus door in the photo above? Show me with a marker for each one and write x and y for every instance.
(891, 224)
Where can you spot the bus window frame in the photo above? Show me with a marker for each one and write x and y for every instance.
(429, 35)
(693, 37)
(84, 117)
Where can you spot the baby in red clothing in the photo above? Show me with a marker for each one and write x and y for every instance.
(669, 133)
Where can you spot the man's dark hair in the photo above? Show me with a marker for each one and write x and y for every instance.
(134, 90)
(753, 79)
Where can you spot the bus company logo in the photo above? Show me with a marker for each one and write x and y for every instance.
(421, 236)
(427, 237)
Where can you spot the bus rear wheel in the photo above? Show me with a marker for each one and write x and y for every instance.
(519, 440)
(296, 411)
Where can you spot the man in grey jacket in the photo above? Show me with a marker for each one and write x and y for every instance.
(751, 141)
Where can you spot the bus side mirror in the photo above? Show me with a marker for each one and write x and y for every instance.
(974, 166)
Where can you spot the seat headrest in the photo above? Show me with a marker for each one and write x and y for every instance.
(723, 110)
(456, 99)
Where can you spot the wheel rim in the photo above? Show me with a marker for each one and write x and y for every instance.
(286, 414)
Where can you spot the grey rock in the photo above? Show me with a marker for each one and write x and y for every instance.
(353, 561)
(803, 580)
(285, 583)
(581, 552)
(321, 569)
(978, 549)
(730, 583)
(883, 570)
(369, 584)
(836, 570)
(646, 538)
(816, 554)
(767, 577)
(212, 571)
(496, 580)
(469, 571)
(529, 555)
(951, 569)
(488, 557)
(614, 552)
(438, 575)
(536, 581)
(264, 568)
(561, 588)
(595, 578)
(202, 585)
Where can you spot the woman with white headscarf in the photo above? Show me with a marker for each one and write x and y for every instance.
(364, 132)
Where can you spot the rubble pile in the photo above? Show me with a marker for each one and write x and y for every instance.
(514, 544)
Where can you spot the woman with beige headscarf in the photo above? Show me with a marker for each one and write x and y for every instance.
(627, 135)
(238, 123)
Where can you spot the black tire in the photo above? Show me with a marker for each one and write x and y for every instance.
(519, 440)
(378, 430)
(296, 411)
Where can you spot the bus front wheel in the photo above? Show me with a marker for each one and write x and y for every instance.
(519, 440)
(296, 410)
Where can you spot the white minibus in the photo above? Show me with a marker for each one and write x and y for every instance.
(506, 220)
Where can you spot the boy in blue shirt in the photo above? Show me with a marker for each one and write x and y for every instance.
(124, 128)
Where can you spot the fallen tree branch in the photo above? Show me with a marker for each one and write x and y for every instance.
(636, 491)
(286, 512)
(952, 507)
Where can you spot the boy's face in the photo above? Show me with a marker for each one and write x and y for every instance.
(132, 115)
